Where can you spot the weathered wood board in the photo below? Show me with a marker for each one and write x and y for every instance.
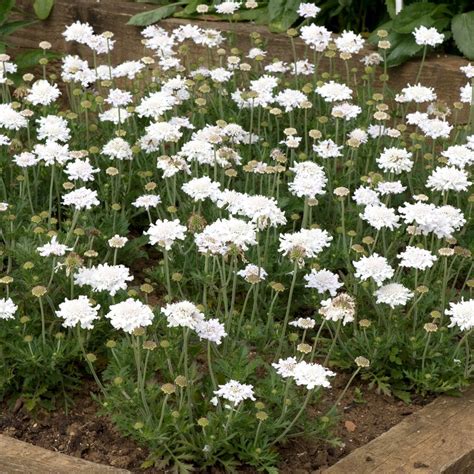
(437, 439)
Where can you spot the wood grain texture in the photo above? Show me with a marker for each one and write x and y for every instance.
(441, 72)
(21, 457)
(437, 439)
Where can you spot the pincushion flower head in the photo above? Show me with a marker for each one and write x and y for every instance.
(393, 294)
(165, 233)
(104, 277)
(308, 10)
(303, 323)
(211, 330)
(395, 160)
(312, 375)
(290, 99)
(323, 280)
(53, 127)
(118, 148)
(380, 216)
(78, 311)
(80, 170)
(7, 308)
(375, 267)
(327, 149)
(183, 314)
(129, 315)
(43, 93)
(81, 198)
(316, 37)
(10, 118)
(53, 248)
(201, 188)
(341, 308)
(334, 92)
(349, 42)
(459, 155)
(365, 196)
(118, 98)
(147, 201)
(307, 243)
(428, 36)
(415, 257)
(253, 273)
(263, 211)
(461, 314)
(448, 178)
(227, 7)
(417, 93)
(234, 392)
(80, 32)
(310, 180)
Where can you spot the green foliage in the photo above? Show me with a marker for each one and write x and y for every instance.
(463, 33)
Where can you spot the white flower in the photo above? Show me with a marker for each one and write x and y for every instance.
(459, 155)
(43, 93)
(53, 248)
(10, 118)
(393, 294)
(4, 140)
(25, 159)
(327, 149)
(290, 99)
(147, 200)
(115, 115)
(156, 104)
(117, 242)
(448, 178)
(164, 233)
(334, 92)
(183, 314)
(201, 188)
(80, 32)
(461, 314)
(118, 148)
(380, 216)
(52, 153)
(80, 170)
(466, 94)
(395, 160)
(303, 323)
(227, 7)
(373, 266)
(7, 308)
(263, 211)
(364, 196)
(349, 42)
(417, 94)
(128, 69)
(346, 111)
(212, 330)
(253, 274)
(428, 36)
(118, 98)
(323, 280)
(341, 308)
(130, 315)
(307, 243)
(308, 10)
(104, 277)
(285, 367)
(53, 128)
(310, 180)
(390, 187)
(316, 37)
(81, 198)
(78, 311)
(312, 375)
(235, 392)
(414, 257)
(436, 128)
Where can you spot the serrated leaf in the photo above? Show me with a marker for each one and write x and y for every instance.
(390, 4)
(404, 48)
(418, 14)
(152, 16)
(462, 26)
(43, 8)
(282, 14)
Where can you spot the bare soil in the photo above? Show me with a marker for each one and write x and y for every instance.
(83, 433)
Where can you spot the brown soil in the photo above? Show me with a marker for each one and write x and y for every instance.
(83, 433)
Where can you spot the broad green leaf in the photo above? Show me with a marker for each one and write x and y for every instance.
(30, 58)
(390, 4)
(259, 15)
(404, 47)
(9, 28)
(43, 8)
(282, 15)
(463, 33)
(152, 16)
(190, 8)
(418, 14)
(5, 9)
(275, 9)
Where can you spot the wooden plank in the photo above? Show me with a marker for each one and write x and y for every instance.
(437, 439)
(441, 72)
(18, 456)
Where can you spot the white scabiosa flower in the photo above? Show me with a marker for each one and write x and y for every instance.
(235, 392)
(227, 7)
(211, 330)
(303, 323)
(253, 274)
(104, 277)
(7, 308)
(147, 201)
(334, 92)
(43, 93)
(387, 188)
(308, 10)
(201, 188)
(165, 233)
(183, 314)
(341, 308)
(310, 180)
(290, 99)
(118, 148)
(117, 242)
(417, 93)
(285, 367)
(80, 32)
(414, 257)
(130, 315)
(448, 178)
(459, 155)
(81, 198)
(78, 311)
(375, 267)
(461, 314)
(322, 281)
(312, 375)
(80, 170)
(364, 196)
(380, 216)
(53, 128)
(53, 248)
(10, 118)
(436, 128)
(316, 37)
(349, 42)
(4, 140)
(428, 36)
(118, 98)
(307, 243)
(262, 211)
(327, 149)
(395, 160)
(393, 294)
(25, 159)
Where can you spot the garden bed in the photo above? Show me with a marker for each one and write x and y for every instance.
(83, 433)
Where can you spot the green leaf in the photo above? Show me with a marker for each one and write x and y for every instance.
(30, 58)
(390, 4)
(418, 14)
(43, 8)
(11, 27)
(5, 9)
(282, 14)
(463, 33)
(152, 16)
